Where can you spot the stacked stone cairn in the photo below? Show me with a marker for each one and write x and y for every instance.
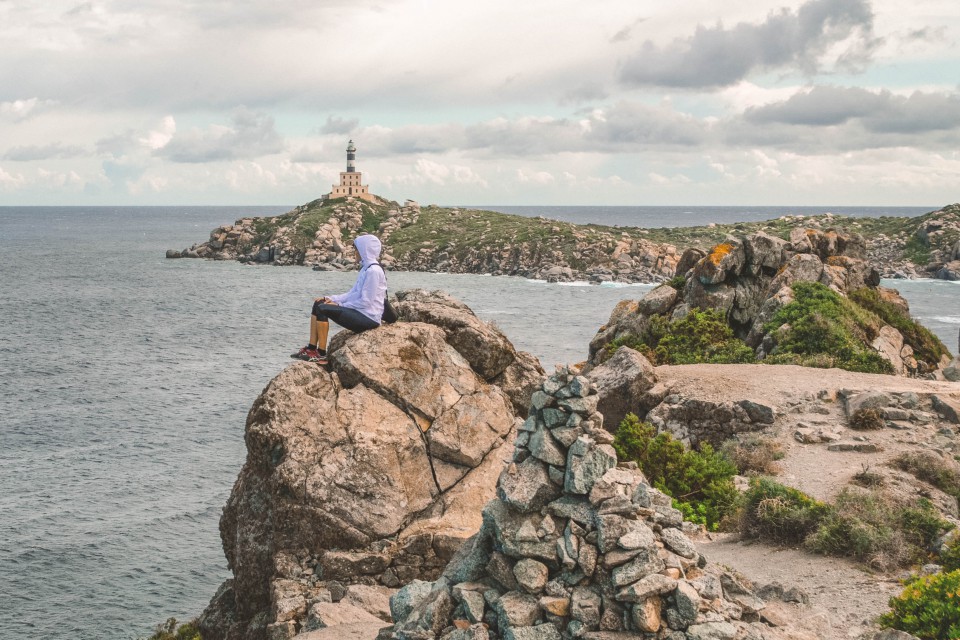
(575, 546)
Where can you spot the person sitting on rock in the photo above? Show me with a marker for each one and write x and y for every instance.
(358, 310)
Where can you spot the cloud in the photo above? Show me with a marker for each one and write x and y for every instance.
(52, 151)
(717, 57)
(159, 138)
(879, 112)
(337, 125)
(23, 109)
(251, 135)
(10, 181)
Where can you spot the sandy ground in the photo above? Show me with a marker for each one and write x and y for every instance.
(845, 597)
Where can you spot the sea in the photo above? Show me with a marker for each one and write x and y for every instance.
(125, 380)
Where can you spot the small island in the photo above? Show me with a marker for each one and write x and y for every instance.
(458, 240)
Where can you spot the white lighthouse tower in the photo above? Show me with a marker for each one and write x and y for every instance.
(350, 180)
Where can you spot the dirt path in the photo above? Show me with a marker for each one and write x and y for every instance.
(845, 597)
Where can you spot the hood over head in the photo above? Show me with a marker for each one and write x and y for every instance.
(369, 247)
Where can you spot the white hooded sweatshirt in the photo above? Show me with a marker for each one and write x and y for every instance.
(370, 289)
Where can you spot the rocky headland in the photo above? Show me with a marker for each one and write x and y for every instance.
(379, 498)
(458, 240)
(434, 484)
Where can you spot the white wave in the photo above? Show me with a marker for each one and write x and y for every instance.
(946, 319)
(575, 283)
(618, 285)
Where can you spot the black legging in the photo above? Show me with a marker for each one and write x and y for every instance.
(347, 318)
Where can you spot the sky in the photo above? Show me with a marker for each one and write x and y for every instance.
(607, 102)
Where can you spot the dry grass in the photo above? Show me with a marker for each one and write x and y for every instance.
(866, 420)
(754, 454)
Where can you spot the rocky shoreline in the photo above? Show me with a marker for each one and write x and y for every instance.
(452, 240)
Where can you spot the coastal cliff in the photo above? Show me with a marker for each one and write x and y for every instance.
(378, 498)
(459, 240)
(371, 473)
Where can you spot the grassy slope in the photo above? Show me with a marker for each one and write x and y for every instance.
(458, 231)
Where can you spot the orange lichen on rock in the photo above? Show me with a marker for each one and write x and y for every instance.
(718, 252)
(838, 261)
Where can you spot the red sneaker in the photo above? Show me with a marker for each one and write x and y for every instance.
(315, 356)
(301, 354)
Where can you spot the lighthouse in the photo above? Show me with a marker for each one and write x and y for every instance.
(351, 180)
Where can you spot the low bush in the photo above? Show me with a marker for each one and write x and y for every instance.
(950, 555)
(677, 282)
(943, 473)
(867, 478)
(699, 481)
(873, 529)
(778, 513)
(753, 454)
(169, 630)
(701, 336)
(929, 607)
(826, 329)
(866, 420)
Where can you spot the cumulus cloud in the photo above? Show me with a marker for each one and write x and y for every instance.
(159, 138)
(878, 112)
(250, 135)
(718, 57)
(22, 109)
(52, 151)
(338, 125)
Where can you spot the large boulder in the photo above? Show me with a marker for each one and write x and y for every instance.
(373, 472)
(484, 346)
(622, 383)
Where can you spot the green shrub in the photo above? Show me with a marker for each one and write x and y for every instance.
(876, 530)
(929, 608)
(942, 473)
(700, 482)
(700, 336)
(868, 419)
(926, 346)
(950, 555)
(677, 282)
(917, 251)
(778, 513)
(828, 327)
(170, 631)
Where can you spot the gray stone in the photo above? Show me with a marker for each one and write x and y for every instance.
(501, 570)
(712, 631)
(867, 400)
(531, 575)
(645, 563)
(404, 600)
(544, 631)
(567, 435)
(947, 406)
(585, 607)
(622, 382)
(654, 584)
(473, 632)
(687, 604)
(582, 406)
(543, 447)
(586, 462)
(553, 418)
(674, 540)
(952, 371)
(515, 609)
(575, 508)
(527, 485)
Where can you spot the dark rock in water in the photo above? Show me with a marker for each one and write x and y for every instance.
(173, 253)
(372, 473)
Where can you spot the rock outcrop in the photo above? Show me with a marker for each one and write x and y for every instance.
(373, 472)
(750, 278)
(577, 546)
